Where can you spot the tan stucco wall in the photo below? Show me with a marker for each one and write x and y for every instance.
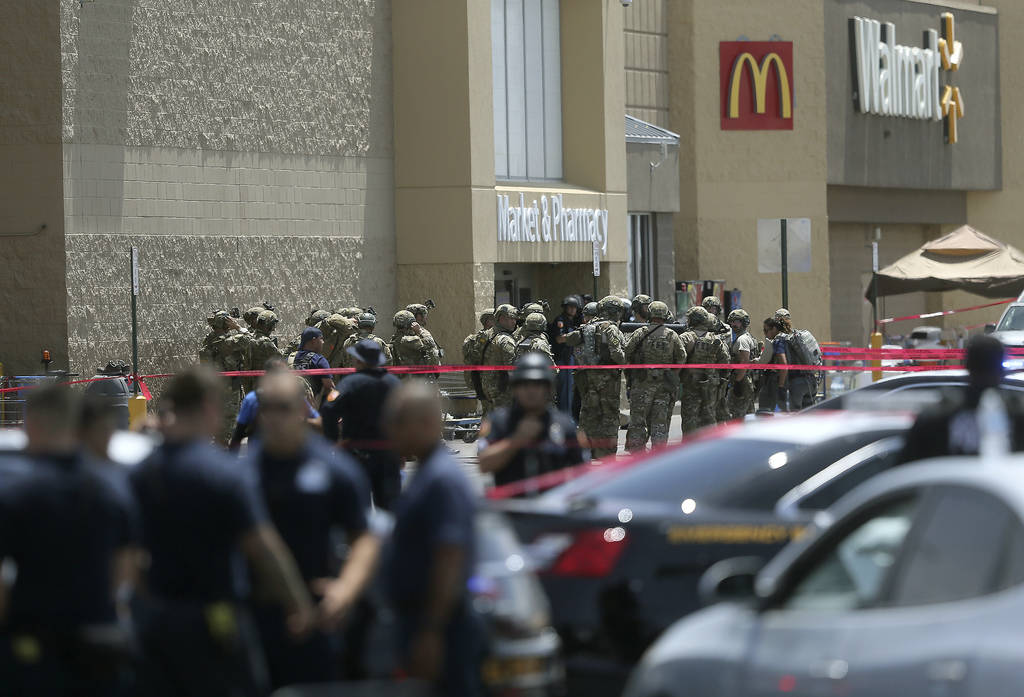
(729, 179)
(32, 281)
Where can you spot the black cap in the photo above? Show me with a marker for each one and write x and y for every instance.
(308, 334)
(533, 366)
(367, 351)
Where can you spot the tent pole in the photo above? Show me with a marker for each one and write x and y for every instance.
(785, 265)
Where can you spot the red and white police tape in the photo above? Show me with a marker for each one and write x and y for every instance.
(943, 313)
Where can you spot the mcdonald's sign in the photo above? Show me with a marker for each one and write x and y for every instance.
(757, 85)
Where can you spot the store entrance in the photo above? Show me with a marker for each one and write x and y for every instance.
(514, 284)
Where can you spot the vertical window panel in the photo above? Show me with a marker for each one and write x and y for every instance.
(552, 89)
(500, 91)
(515, 66)
(534, 69)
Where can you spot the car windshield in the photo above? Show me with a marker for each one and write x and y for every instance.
(1013, 320)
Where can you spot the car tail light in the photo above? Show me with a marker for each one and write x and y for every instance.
(592, 553)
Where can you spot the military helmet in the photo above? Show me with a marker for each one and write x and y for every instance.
(739, 316)
(590, 309)
(782, 313)
(417, 309)
(218, 319)
(642, 300)
(267, 320)
(712, 304)
(403, 319)
(571, 300)
(487, 314)
(350, 312)
(368, 319)
(530, 308)
(316, 317)
(697, 316)
(659, 310)
(610, 306)
(505, 310)
(535, 322)
(533, 366)
(251, 315)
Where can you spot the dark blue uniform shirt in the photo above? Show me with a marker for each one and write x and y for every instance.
(310, 494)
(62, 521)
(557, 448)
(359, 404)
(436, 508)
(311, 360)
(195, 505)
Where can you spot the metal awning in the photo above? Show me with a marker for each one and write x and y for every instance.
(638, 131)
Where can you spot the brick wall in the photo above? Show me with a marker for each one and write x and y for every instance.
(244, 147)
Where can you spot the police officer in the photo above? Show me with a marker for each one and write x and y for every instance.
(309, 357)
(500, 349)
(472, 354)
(200, 515)
(743, 349)
(531, 437)
(358, 404)
(311, 490)
(69, 529)
(533, 337)
(367, 322)
(653, 393)
(701, 386)
(563, 324)
(603, 344)
(315, 317)
(431, 556)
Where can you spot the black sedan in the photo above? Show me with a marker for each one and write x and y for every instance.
(620, 551)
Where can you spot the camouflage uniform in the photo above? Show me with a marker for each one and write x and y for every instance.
(716, 326)
(472, 354)
(599, 418)
(499, 349)
(419, 310)
(533, 337)
(367, 322)
(741, 393)
(336, 330)
(408, 347)
(653, 392)
(528, 309)
(575, 340)
(701, 386)
(264, 346)
(218, 351)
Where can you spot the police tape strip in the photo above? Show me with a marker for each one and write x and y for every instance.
(943, 313)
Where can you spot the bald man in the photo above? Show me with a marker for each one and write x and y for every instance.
(432, 550)
(310, 490)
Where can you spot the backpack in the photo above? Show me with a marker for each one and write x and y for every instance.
(313, 383)
(589, 353)
(705, 350)
(804, 348)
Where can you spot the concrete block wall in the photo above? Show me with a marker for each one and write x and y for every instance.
(244, 147)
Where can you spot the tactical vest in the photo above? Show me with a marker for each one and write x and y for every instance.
(589, 352)
(705, 350)
(527, 344)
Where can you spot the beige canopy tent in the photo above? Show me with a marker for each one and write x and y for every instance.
(964, 259)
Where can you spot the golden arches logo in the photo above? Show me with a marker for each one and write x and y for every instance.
(759, 77)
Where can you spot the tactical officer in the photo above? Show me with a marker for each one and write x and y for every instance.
(419, 313)
(251, 315)
(220, 324)
(530, 437)
(714, 307)
(574, 340)
(563, 324)
(315, 318)
(70, 529)
(264, 345)
(653, 393)
(527, 310)
(311, 490)
(367, 322)
(228, 348)
(309, 357)
(337, 329)
(773, 384)
(603, 344)
(409, 345)
(640, 307)
(802, 385)
(701, 386)
(533, 337)
(200, 514)
(431, 556)
(359, 404)
(472, 353)
(742, 350)
(500, 349)
(247, 423)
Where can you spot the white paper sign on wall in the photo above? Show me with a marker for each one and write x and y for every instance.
(769, 244)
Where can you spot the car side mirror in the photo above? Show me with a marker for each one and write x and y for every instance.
(730, 580)
(990, 327)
